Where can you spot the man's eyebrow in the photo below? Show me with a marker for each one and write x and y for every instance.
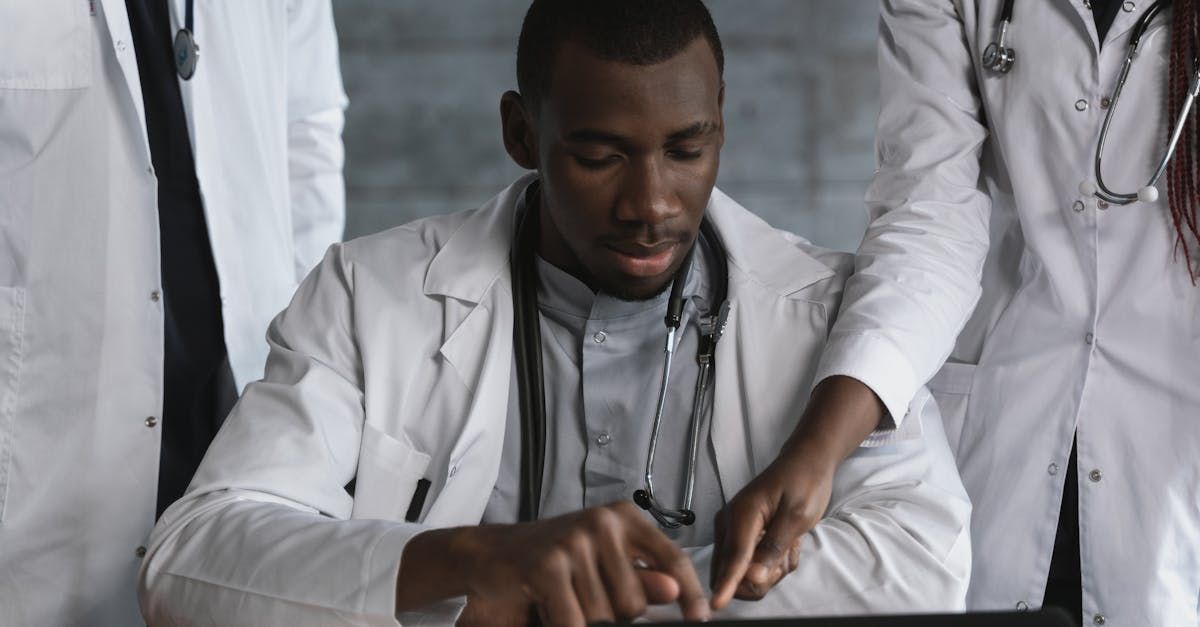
(695, 130)
(589, 135)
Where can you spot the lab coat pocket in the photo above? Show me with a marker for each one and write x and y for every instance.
(388, 472)
(951, 388)
(46, 44)
(12, 337)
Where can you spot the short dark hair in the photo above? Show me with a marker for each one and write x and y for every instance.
(637, 32)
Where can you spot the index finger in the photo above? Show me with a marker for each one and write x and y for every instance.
(663, 555)
(737, 550)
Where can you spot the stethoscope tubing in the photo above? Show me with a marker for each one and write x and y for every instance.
(1103, 192)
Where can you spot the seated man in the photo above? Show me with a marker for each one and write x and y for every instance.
(505, 366)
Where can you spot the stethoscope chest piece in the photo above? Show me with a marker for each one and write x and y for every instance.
(999, 57)
(187, 53)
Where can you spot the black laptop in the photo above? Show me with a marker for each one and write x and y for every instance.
(1050, 617)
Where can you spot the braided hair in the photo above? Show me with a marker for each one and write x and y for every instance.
(1183, 188)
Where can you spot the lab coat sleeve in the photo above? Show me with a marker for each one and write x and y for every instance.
(894, 540)
(263, 535)
(316, 101)
(918, 270)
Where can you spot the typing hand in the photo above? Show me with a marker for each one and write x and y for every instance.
(575, 569)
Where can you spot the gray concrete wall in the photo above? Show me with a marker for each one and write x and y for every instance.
(425, 78)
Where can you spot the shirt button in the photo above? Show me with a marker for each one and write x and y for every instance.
(140, 552)
(1089, 339)
(1077, 206)
(1102, 204)
(1081, 105)
(1105, 102)
(156, 296)
(1095, 475)
(1022, 606)
(1052, 469)
(599, 337)
(603, 439)
(152, 422)
(1099, 618)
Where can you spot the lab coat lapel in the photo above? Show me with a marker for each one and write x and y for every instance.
(472, 268)
(1081, 10)
(767, 335)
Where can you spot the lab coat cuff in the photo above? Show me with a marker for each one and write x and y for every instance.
(381, 570)
(876, 362)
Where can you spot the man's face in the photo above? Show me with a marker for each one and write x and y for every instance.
(628, 156)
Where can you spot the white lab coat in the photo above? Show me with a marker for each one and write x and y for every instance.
(393, 363)
(1086, 320)
(81, 322)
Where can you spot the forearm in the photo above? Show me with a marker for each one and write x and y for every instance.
(228, 555)
(841, 413)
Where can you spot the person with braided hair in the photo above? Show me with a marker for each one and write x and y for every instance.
(1070, 395)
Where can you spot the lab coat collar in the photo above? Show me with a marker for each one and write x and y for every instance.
(478, 251)
(766, 255)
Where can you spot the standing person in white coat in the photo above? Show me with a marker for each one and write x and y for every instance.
(398, 412)
(1070, 396)
(155, 213)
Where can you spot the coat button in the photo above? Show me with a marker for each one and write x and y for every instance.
(603, 439)
(1095, 475)
(1099, 618)
(1077, 206)
(599, 337)
(152, 422)
(1052, 469)
(156, 296)
(1081, 105)
(1089, 339)
(1022, 606)
(1105, 102)
(1101, 205)
(1128, 7)
(140, 552)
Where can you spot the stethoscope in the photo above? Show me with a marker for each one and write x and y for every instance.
(187, 53)
(527, 346)
(999, 57)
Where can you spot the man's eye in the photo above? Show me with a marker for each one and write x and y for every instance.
(685, 155)
(596, 164)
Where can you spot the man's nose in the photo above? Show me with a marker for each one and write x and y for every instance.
(647, 197)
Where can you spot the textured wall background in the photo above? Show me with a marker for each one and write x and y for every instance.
(425, 78)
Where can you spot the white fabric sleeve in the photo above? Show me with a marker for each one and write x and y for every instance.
(917, 272)
(316, 101)
(263, 535)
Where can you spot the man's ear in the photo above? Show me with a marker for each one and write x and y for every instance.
(517, 124)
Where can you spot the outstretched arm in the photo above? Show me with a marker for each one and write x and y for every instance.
(915, 283)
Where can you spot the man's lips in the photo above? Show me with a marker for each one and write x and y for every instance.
(643, 260)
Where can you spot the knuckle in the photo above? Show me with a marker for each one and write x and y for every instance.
(602, 519)
(554, 561)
